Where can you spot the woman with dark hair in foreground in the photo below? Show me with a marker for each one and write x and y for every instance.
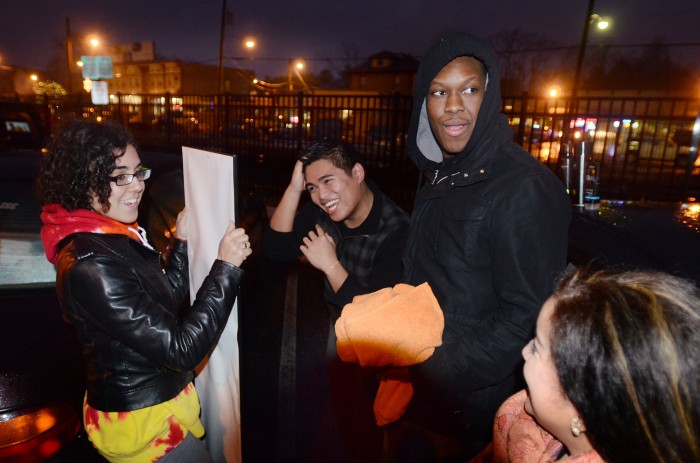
(612, 374)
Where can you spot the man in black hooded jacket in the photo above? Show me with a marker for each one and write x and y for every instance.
(488, 233)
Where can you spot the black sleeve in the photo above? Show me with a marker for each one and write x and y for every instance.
(284, 246)
(128, 312)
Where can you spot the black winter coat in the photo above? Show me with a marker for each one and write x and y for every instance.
(489, 234)
(139, 350)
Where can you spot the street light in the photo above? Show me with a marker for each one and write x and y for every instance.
(294, 66)
(600, 22)
(70, 59)
(248, 43)
(94, 43)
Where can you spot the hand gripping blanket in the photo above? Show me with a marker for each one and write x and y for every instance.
(392, 327)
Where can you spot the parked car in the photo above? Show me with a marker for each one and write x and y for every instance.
(41, 368)
(244, 129)
(662, 236)
(21, 126)
(327, 128)
(683, 141)
(381, 136)
(682, 138)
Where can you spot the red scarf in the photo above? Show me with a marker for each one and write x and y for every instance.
(59, 223)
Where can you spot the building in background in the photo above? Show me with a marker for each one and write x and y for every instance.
(385, 72)
(176, 77)
(137, 71)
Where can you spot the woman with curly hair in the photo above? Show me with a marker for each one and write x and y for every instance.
(612, 374)
(140, 348)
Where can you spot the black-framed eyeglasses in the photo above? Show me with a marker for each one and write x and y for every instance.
(126, 179)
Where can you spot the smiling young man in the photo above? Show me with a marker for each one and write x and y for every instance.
(349, 230)
(355, 235)
(488, 234)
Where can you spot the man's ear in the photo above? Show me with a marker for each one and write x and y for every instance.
(358, 172)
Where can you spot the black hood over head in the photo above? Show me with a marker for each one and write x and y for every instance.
(422, 146)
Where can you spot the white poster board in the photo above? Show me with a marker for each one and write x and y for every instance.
(210, 199)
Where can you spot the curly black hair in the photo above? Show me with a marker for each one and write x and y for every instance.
(79, 162)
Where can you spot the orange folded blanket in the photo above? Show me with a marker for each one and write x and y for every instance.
(399, 326)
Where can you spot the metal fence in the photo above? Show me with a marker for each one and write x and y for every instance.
(643, 145)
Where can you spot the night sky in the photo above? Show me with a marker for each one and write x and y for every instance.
(318, 30)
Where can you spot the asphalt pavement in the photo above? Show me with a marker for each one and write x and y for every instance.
(286, 409)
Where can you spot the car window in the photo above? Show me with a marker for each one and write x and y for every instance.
(22, 260)
(20, 127)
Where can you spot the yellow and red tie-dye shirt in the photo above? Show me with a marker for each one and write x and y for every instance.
(147, 434)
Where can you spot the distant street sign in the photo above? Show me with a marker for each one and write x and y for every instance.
(97, 67)
(99, 93)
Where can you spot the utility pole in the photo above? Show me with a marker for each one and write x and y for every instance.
(219, 86)
(69, 56)
(582, 50)
(577, 72)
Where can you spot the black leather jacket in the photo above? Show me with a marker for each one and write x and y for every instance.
(139, 350)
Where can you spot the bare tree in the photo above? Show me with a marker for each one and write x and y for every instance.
(643, 67)
(528, 61)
